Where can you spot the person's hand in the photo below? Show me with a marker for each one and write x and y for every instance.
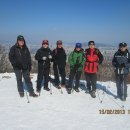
(44, 58)
(123, 65)
(77, 66)
(99, 62)
(50, 57)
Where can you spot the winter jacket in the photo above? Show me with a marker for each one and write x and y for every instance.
(76, 60)
(20, 57)
(59, 57)
(121, 62)
(93, 57)
(43, 52)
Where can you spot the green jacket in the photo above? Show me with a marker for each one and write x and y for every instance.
(76, 60)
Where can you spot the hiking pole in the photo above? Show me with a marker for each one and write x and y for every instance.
(50, 83)
(27, 97)
(121, 106)
(123, 87)
(99, 97)
(104, 91)
(99, 94)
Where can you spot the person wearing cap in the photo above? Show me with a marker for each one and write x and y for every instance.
(20, 59)
(76, 60)
(59, 63)
(93, 58)
(44, 57)
(121, 62)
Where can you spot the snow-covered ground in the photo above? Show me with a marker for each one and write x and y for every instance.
(77, 111)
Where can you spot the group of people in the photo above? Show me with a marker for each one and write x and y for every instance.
(79, 60)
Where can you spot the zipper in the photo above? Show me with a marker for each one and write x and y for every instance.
(19, 52)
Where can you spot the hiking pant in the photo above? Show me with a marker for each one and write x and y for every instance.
(26, 75)
(77, 74)
(91, 79)
(121, 84)
(42, 73)
(59, 71)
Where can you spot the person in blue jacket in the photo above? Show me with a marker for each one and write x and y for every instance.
(121, 62)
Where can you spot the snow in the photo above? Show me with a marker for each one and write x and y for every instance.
(77, 111)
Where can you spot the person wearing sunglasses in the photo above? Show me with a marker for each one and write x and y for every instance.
(59, 63)
(44, 57)
(121, 62)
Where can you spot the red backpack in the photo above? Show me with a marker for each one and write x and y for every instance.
(91, 65)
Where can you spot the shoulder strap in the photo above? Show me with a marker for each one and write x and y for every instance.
(55, 51)
(96, 50)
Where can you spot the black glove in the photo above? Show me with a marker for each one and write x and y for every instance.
(99, 62)
(123, 65)
(76, 66)
(120, 65)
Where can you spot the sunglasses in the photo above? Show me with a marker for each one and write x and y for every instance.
(45, 43)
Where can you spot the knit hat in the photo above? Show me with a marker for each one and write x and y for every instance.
(45, 42)
(59, 42)
(91, 42)
(78, 45)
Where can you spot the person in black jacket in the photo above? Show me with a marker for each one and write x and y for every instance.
(44, 57)
(59, 63)
(20, 59)
(121, 62)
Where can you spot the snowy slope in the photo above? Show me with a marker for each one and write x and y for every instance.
(77, 111)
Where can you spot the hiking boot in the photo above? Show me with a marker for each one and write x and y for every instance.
(93, 95)
(58, 87)
(69, 90)
(88, 91)
(63, 85)
(123, 98)
(32, 94)
(46, 88)
(21, 94)
(117, 97)
(38, 90)
(77, 90)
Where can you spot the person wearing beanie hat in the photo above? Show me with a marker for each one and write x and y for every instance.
(93, 58)
(76, 60)
(59, 42)
(91, 43)
(78, 45)
(121, 62)
(20, 59)
(44, 57)
(59, 63)
(45, 42)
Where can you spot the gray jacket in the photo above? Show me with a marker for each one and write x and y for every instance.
(121, 62)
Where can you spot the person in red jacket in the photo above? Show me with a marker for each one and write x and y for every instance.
(93, 58)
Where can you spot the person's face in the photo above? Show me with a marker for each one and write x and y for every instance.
(59, 45)
(91, 46)
(45, 45)
(123, 49)
(20, 43)
(78, 49)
